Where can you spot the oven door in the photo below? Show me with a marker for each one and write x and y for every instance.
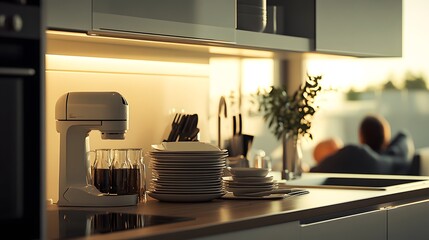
(21, 119)
(20, 150)
(12, 147)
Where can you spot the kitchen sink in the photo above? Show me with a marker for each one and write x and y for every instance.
(365, 183)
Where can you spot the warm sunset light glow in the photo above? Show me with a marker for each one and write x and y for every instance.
(123, 66)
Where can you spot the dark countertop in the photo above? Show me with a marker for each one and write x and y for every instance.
(224, 215)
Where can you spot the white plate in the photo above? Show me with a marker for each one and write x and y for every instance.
(196, 187)
(186, 147)
(188, 157)
(187, 178)
(187, 188)
(231, 195)
(201, 176)
(249, 190)
(191, 169)
(178, 185)
(250, 179)
(249, 185)
(187, 171)
(248, 172)
(180, 191)
(185, 197)
(188, 164)
(195, 182)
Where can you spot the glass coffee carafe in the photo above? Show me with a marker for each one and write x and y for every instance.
(101, 173)
(120, 172)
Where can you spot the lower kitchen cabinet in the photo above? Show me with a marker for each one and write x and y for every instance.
(281, 231)
(368, 225)
(409, 221)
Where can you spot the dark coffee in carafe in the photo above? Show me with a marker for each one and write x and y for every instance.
(101, 174)
(102, 180)
(120, 181)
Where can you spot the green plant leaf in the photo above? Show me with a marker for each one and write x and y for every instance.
(289, 114)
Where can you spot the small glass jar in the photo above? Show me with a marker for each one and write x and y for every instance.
(101, 173)
(120, 172)
(137, 175)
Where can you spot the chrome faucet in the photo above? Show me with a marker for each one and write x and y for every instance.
(222, 104)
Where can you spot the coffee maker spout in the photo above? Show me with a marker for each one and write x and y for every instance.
(77, 114)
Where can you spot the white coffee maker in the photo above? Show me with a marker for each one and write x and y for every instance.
(78, 113)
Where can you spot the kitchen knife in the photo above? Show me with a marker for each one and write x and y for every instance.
(234, 125)
(180, 127)
(240, 124)
(189, 128)
(237, 138)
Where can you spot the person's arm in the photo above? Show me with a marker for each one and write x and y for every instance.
(401, 148)
(399, 153)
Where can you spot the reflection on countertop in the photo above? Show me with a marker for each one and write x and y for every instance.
(64, 224)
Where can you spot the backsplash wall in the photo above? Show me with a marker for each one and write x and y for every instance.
(159, 80)
(153, 93)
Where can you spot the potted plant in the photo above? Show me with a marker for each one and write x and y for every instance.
(289, 117)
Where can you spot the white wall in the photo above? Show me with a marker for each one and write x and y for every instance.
(158, 80)
(154, 88)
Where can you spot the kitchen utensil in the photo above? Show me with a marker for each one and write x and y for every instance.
(230, 195)
(291, 192)
(194, 135)
(184, 128)
(237, 138)
(189, 129)
(174, 126)
(240, 143)
(180, 127)
(222, 105)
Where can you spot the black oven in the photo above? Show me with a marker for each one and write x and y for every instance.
(21, 118)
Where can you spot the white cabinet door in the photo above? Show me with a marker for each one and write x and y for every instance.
(200, 19)
(359, 27)
(368, 225)
(410, 221)
(73, 15)
(281, 231)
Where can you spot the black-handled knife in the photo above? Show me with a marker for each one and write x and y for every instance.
(234, 125)
(240, 124)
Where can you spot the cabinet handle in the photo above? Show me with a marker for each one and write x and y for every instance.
(10, 71)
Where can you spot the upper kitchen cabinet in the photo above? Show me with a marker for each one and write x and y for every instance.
(73, 15)
(191, 19)
(194, 19)
(363, 28)
(360, 28)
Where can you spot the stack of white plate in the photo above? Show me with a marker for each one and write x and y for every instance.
(186, 171)
(249, 180)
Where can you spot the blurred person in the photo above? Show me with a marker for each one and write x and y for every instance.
(377, 153)
(374, 131)
(326, 148)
